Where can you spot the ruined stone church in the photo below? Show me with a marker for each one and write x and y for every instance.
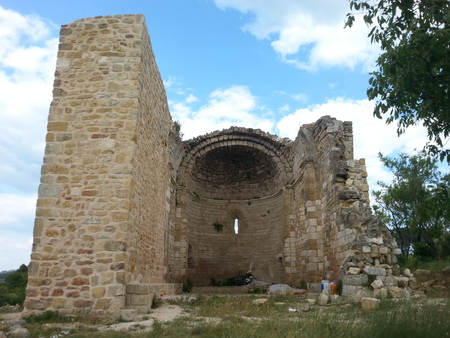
(126, 209)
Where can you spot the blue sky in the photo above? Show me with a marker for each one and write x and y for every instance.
(273, 65)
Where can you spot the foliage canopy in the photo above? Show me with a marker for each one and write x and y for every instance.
(12, 291)
(412, 84)
(416, 206)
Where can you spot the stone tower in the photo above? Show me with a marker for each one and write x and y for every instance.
(126, 209)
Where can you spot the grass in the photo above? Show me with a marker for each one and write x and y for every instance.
(394, 319)
(414, 264)
(237, 316)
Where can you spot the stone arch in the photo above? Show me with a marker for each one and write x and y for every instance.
(235, 173)
(234, 164)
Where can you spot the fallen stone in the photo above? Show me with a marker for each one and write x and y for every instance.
(407, 273)
(304, 307)
(259, 301)
(388, 280)
(278, 303)
(395, 292)
(284, 289)
(353, 271)
(381, 293)
(370, 303)
(402, 282)
(346, 306)
(413, 284)
(2, 334)
(311, 301)
(323, 298)
(377, 284)
(363, 293)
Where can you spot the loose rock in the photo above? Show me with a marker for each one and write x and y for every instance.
(259, 301)
(323, 298)
(370, 303)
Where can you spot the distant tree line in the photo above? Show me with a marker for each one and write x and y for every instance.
(5, 273)
(12, 287)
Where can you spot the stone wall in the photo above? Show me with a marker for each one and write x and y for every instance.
(127, 210)
(101, 213)
(217, 252)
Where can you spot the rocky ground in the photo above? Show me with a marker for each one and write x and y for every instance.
(172, 307)
(14, 325)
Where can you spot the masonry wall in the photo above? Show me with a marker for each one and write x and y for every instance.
(102, 197)
(151, 186)
(221, 254)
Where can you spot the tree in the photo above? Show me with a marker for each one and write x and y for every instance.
(12, 291)
(414, 207)
(412, 84)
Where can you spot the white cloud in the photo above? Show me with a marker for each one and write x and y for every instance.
(308, 34)
(16, 224)
(370, 135)
(27, 62)
(233, 106)
(301, 97)
(191, 98)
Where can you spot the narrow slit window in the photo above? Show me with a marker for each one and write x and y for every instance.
(236, 226)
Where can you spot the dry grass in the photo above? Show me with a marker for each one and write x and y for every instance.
(236, 316)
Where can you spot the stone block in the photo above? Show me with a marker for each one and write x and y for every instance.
(413, 284)
(50, 190)
(377, 284)
(395, 292)
(311, 301)
(102, 304)
(139, 299)
(353, 271)
(402, 282)
(323, 299)
(115, 246)
(407, 273)
(57, 126)
(98, 292)
(388, 280)
(357, 280)
(82, 303)
(375, 271)
(370, 303)
(138, 288)
(381, 293)
(59, 303)
(384, 250)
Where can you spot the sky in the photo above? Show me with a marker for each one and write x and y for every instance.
(272, 65)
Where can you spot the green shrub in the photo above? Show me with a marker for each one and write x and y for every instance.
(47, 316)
(12, 290)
